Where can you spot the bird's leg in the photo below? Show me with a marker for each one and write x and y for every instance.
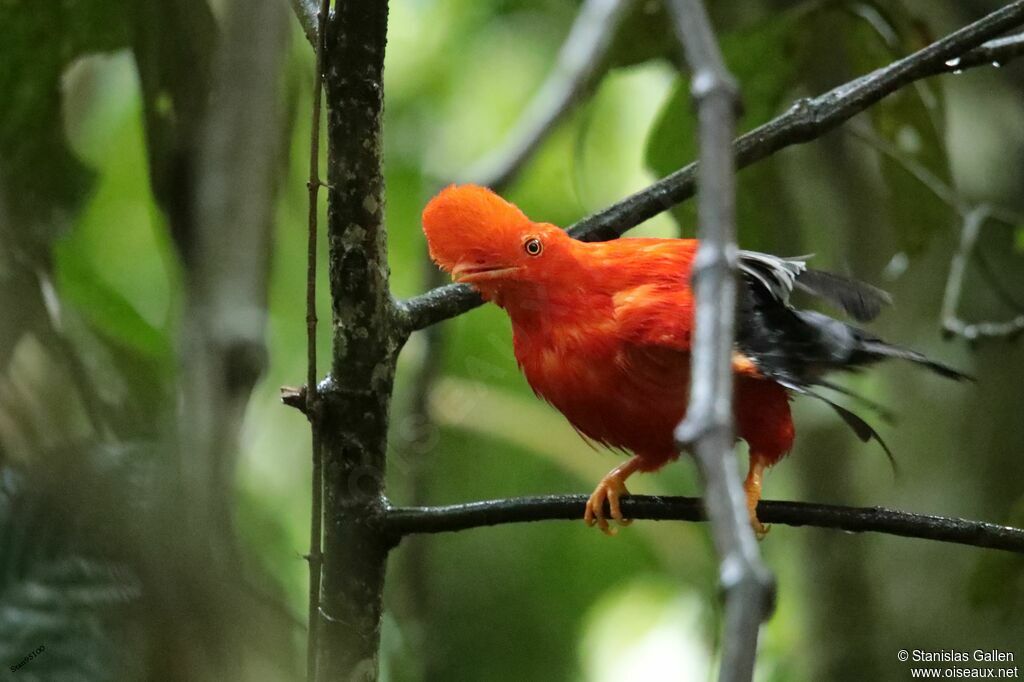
(752, 487)
(611, 488)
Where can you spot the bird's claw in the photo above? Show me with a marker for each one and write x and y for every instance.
(611, 489)
(752, 489)
(760, 529)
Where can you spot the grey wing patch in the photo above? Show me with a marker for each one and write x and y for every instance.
(777, 275)
(780, 276)
(859, 300)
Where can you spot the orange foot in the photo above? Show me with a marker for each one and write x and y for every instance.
(752, 486)
(611, 488)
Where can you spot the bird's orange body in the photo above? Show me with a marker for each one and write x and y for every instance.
(610, 349)
(602, 331)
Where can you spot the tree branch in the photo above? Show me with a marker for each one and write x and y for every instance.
(306, 12)
(402, 521)
(315, 556)
(994, 52)
(809, 119)
(952, 324)
(355, 400)
(437, 305)
(577, 65)
(707, 429)
(805, 121)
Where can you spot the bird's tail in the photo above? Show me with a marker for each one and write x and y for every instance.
(880, 350)
(829, 344)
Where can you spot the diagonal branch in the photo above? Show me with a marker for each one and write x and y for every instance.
(578, 64)
(806, 120)
(402, 521)
(995, 52)
(809, 119)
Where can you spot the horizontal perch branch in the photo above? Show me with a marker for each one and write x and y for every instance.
(806, 120)
(402, 521)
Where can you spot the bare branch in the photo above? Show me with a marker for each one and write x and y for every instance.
(994, 52)
(438, 305)
(952, 324)
(806, 120)
(311, 396)
(707, 428)
(306, 12)
(579, 60)
(403, 521)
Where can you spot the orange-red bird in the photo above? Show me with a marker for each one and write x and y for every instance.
(602, 332)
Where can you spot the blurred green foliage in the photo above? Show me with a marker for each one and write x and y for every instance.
(99, 106)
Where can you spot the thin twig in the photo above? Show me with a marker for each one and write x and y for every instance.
(994, 52)
(576, 67)
(952, 324)
(707, 429)
(306, 12)
(806, 120)
(972, 220)
(402, 521)
(315, 556)
(995, 284)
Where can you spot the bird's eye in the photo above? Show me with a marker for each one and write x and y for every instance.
(533, 246)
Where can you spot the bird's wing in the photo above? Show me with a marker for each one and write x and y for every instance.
(653, 323)
(778, 277)
(656, 321)
(655, 315)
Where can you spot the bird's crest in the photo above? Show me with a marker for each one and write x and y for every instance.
(468, 220)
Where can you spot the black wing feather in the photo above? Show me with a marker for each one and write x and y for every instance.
(797, 348)
(780, 276)
(859, 300)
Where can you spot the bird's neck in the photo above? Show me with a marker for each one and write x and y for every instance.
(547, 313)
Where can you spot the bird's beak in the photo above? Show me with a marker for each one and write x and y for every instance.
(474, 272)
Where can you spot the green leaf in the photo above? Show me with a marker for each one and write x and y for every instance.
(104, 307)
(1018, 239)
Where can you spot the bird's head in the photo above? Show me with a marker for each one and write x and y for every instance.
(481, 239)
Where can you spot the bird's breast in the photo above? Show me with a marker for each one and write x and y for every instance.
(567, 360)
(588, 374)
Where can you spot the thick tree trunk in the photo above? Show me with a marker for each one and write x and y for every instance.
(356, 398)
